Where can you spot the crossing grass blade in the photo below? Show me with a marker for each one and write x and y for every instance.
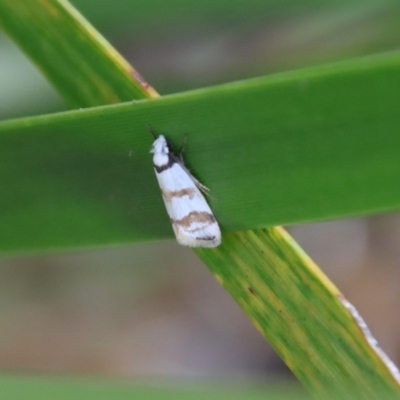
(282, 149)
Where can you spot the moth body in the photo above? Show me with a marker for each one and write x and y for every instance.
(192, 220)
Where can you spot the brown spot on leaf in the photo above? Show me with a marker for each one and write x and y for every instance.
(251, 290)
(149, 89)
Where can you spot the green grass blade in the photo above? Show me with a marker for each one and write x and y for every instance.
(302, 314)
(76, 59)
(306, 145)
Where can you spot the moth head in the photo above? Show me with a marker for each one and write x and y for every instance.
(160, 146)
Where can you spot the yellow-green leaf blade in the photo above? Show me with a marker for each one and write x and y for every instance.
(78, 61)
(302, 314)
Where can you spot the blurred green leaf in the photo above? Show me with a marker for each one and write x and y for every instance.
(161, 15)
(20, 388)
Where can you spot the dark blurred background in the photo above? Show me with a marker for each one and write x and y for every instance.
(153, 310)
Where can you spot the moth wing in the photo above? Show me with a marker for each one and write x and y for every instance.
(193, 222)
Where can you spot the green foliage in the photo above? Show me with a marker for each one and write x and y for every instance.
(20, 388)
(306, 145)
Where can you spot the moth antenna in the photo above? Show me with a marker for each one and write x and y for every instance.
(153, 133)
(183, 147)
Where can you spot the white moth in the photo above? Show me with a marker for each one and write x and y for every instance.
(193, 222)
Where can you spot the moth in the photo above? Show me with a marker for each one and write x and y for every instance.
(191, 217)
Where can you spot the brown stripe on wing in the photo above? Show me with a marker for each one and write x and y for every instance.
(169, 194)
(194, 216)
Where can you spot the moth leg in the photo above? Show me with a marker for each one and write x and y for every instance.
(202, 187)
(183, 148)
